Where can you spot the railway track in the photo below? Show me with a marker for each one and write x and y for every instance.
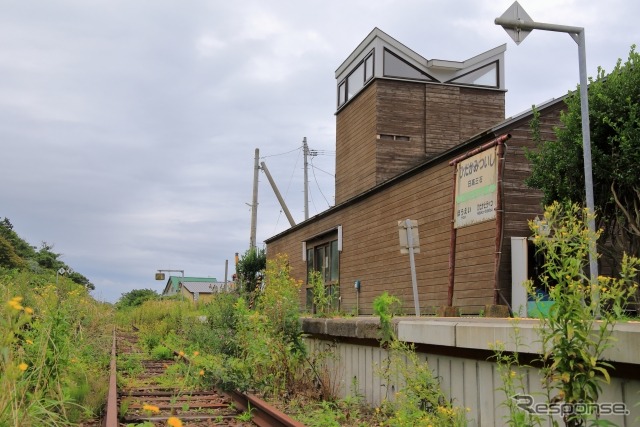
(146, 395)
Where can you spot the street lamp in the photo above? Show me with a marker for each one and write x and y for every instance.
(518, 25)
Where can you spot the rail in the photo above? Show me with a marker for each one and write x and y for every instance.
(262, 413)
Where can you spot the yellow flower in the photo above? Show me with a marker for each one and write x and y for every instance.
(29, 342)
(181, 353)
(16, 299)
(201, 372)
(196, 353)
(28, 310)
(174, 422)
(23, 366)
(513, 374)
(151, 408)
(15, 305)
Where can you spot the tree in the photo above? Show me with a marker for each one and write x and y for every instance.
(250, 268)
(23, 249)
(557, 166)
(136, 297)
(8, 256)
(81, 280)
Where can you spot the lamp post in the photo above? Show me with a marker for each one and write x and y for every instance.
(518, 25)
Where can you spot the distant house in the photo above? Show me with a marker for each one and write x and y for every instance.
(193, 288)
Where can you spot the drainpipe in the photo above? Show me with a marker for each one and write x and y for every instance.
(452, 241)
(499, 223)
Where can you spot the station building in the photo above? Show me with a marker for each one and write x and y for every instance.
(424, 140)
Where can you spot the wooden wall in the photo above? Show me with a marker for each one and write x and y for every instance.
(370, 233)
(394, 125)
(355, 160)
(522, 203)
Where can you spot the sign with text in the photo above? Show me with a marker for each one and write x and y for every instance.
(476, 188)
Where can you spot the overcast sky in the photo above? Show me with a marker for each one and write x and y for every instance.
(128, 128)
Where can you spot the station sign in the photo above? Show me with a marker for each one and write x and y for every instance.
(476, 195)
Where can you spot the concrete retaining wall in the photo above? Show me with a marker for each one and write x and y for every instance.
(457, 350)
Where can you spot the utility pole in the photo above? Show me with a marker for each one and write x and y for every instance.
(254, 204)
(305, 149)
(277, 193)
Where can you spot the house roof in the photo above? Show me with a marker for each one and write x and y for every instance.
(174, 282)
(201, 287)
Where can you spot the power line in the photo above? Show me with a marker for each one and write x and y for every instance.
(321, 170)
(313, 169)
(281, 154)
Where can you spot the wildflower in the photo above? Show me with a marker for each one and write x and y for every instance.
(512, 373)
(196, 353)
(15, 304)
(174, 422)
(29, 342)
(201, 372)
(16, 299)
(28, 310)
(181, 353)
(23, 366)
(151, 408)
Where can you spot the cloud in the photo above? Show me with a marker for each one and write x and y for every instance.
(128, 128)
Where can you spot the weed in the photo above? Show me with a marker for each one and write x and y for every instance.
(247, 415)
(160, 352)
(572, 337)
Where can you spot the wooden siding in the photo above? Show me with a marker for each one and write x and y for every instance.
(521, 203)
(371, 251)
(370, 236)
(356, 145)
(442, 118)
(479, 110)
(428, 119)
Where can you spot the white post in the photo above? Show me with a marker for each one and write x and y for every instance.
(412, 263)
(254, 203)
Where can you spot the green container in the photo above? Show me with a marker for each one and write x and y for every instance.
(538, 308)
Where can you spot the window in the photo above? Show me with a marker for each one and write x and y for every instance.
(484, 76)
(356, 80)
(396, 67)
(342, 93)
(368, 68)
(323, 256)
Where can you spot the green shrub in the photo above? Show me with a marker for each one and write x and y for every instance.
(161, 352)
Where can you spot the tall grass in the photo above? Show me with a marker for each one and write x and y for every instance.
(54, 347)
